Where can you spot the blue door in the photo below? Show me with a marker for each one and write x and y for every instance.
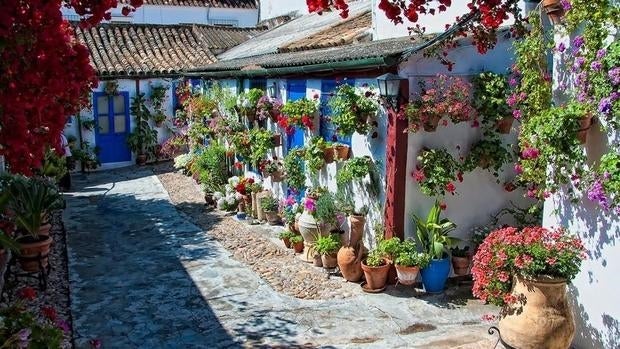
(296, 90)
(112, 126)
(328, 131)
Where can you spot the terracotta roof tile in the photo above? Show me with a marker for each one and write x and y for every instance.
(249, 4)
(120, 49)
(352, 30)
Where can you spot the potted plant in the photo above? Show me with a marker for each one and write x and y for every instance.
(268, 107)
(314, 154)
(142, 140)
(352, 110)
(285, 236)
(298, 243)
(433, 237)
(375, 268)
(525, 272)
(110, 88)
(355, 169)
(270, 206)
(444, 96)
(409, 261)
(274, 169)
(554, 9)
(31, 200)
(158, 98)
(261, 142)
(461, 259)
(327, 247)
(389, 248)
(299, 113)
(211, 168)
(436, 172)
(295, 176)
(489, 154)
(88, 124)
(604, 186)
(341, 150)
(490, 93)
(159, 119)
(247, 102)
(290, 208)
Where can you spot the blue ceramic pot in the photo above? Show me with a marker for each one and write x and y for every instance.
(435, 275)
(241, 215)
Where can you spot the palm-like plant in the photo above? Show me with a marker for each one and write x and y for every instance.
(433, 232)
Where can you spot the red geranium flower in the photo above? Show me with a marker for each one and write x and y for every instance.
(27, 293)
(450, 187)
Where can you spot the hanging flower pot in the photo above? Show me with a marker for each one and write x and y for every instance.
(584, 126)
(329, 153)
(342, 151)
(430, 125)
(277, 140)
(504, 125)
(277, 176)
(543, 320)
(554, 10)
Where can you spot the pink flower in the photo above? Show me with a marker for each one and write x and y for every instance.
(310, 205)
(551, 261)
(518, 168)
(418, 175)
(530, 153)
(450, 187)
(517, 114)
(503, 276)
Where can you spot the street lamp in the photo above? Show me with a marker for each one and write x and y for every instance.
(389, 89)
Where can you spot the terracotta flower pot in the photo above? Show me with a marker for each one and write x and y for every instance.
(342, 151)
(287, 242)
(376, 277)
(277, 140)
(272, 217)
(485, 162)
(159, 124)
(460, 265)
(299, 247)
(141, 160)
(406, 275)
(349, 263)
(45, 228)
(544, 321)
(357, 224)
(504, 125)
(431, 124)
(31, 247)
(329, 261)
(329, 153)
(277, 177)
(554, 10)
(584, 126)
(317, 261)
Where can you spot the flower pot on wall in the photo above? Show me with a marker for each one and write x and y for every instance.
(277, 177)
(544, 321)
(376, 277)
(435, 275)
(329, 153)
(342, 151)
(277, 140)
(584, 126)
(431, 124)
(504, 125)
(554, 10)
(407, 275)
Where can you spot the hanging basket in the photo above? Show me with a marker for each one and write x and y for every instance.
(430, 125)
(504, 125)
(554, 10)
(329, 153)
(277, 140)
(585, 124)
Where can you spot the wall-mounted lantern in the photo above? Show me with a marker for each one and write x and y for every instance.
(389, 89)
(272, 90)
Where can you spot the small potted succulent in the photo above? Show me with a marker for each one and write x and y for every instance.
(409, 261)
(376, 269)
(285, 236)
(461, 259)
(297, 242)
(270, 206)
(327, 247)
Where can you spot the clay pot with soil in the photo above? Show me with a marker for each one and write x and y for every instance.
(504, 125)
(327, 247)
(269, 205)
(341, 151)
(298, 243)
(30, 248)
(461, 259)
(376, 270)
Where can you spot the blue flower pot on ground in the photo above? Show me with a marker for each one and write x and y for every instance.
(241, 216)
(435, 275)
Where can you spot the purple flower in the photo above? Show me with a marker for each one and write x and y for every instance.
(290, 200)
(604, 106)
(614, 96)
(516, 114)
(614, 76)
(24, 338)
(310, 205)
(561, 47)
(577, 43)
(601, 53)
(579, 61)
(582, 96)
(63, 325)
(596, 65)
(512, 82)
(566, 5)
(511, 100)
(596, 193)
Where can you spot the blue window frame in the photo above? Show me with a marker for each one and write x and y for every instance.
(258, 83)
(327, 129)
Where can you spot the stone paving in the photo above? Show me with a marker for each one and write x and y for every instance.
(143, 276)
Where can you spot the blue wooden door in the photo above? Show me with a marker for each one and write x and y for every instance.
(328, 131)
(112, 126)
(296, 90)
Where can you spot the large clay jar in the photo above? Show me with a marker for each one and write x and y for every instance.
(357, 229)
(350, 264)
(309, 229)
(254, 205)
(544, 321)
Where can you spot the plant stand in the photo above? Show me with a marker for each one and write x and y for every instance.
(492, 331)
(41, 274)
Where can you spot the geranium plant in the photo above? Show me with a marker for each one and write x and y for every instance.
(436, 171)
(294, 170)
(530, 253)
(269, 167)
(489, 99)
(268, 107)
(489, 154)
(353, 110)
(299, 113)
(442, 97)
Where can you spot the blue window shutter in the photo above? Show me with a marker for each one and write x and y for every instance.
(328, 131)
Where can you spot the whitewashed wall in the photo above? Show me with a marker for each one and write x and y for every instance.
(479, 196)
(127, 86)
(593, 293)
(383, 28)
(274, 8)
(161, 14)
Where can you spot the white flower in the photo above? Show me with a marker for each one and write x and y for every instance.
(233, 181)
(217, 195)
(230, 200)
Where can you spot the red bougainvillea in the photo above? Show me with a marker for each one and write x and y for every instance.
(488, 16)
(45, 74)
